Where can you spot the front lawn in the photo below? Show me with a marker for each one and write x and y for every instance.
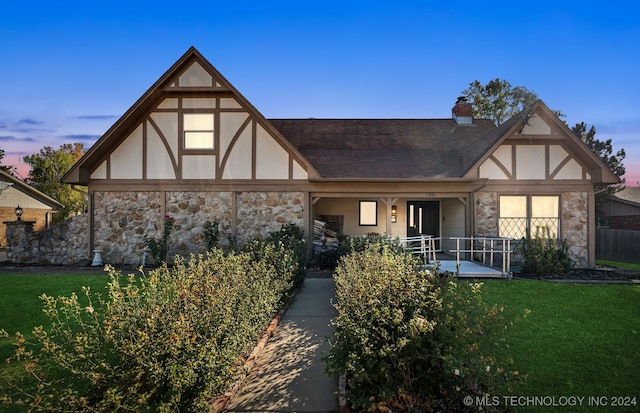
(579, 340)
(21, 307)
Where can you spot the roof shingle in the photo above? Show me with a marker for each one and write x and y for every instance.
(388, 148)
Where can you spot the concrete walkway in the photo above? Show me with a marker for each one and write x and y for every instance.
(289, 374)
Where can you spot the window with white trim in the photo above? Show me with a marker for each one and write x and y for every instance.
(522, 214)
(198, 131)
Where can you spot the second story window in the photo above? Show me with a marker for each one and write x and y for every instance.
(198, 131)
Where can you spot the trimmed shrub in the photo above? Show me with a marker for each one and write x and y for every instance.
(158, 246)
(544, 255)
(211, 232)
(170, 340)
(408, 339)
(330, 259)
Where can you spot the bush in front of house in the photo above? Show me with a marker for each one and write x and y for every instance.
(408, 339)
(544, 255)
(169, 340)
(330, 259)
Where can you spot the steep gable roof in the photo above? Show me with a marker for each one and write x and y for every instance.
(600, 173)
(385, 148)
(189, 72)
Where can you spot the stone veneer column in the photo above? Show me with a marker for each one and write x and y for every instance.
(574, 226)
(18, 232)
(486, 214)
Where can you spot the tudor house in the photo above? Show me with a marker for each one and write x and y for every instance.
(192, 147)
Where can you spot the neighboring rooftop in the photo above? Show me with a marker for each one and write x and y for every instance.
(628, 195)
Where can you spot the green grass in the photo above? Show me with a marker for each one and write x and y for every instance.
(579, 340)
(618, 264)
(20, 307)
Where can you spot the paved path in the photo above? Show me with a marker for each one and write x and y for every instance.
(289, 374)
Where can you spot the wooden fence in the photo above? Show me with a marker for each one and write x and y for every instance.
(618, 245)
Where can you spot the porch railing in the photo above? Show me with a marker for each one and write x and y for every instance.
(484, 250)
(423, 245)
(487, 250)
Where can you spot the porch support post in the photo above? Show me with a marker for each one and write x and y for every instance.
(591, 229)
(389, 202)
(470, 208)
(307, 221)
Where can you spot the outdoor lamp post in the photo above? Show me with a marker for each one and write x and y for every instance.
(18, 212)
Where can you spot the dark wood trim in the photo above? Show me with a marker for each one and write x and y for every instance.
(165, 142)
(225, 157)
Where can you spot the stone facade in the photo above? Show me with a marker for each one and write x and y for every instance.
(66, 243)
(486, 214)
(190, 211)
(262, 212)
(573, 222)
(574, 226)
(38, 216)
(123, 219)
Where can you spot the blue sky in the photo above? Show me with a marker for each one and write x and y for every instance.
(70, 69)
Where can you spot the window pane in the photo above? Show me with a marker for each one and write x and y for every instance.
(368, 213)
(513, 217)
(513, 206)
(544, 215)
(544, 206)
(198, 140)
(198, 121)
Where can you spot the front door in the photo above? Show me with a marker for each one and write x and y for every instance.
(423, 218)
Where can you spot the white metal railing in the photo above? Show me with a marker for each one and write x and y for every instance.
(423, 245)
(486, 249)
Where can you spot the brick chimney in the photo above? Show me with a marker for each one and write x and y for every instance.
(462, 111)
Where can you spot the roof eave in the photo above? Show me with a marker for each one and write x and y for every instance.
(399, 180)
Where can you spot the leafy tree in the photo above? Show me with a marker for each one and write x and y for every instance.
(47, 168)
(499, 101)
(6, 168)
(604, 151)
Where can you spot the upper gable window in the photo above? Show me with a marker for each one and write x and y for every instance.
(198, 131)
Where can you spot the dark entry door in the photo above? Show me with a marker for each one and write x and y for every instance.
(423, 217)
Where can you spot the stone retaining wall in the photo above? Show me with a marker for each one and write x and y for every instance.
(66, 243)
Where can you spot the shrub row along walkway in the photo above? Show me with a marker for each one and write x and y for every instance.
(289, 373)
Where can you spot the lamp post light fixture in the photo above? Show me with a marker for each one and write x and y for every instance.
(18, 212)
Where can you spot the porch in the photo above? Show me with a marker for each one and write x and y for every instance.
(472, 257)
